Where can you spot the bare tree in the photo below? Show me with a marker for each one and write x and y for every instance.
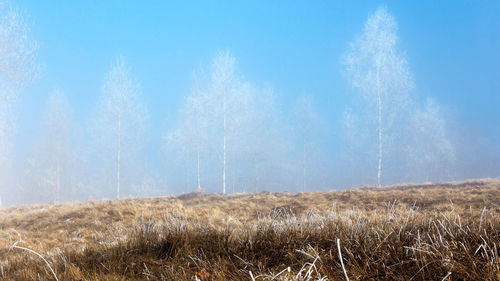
(7, 99)
(261, 137)
(178, 148)
(431, 153)
(17, 48)
(122, 117)
(195, 116)
(58, 126)
(17, 66)
(352, 137)
(226, 118)
(306, 120)
(190, 137)
(377, 69)
(52, 160)
(225, 99)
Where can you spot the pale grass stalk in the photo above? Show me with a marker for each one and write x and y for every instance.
(447, 275)
(251, 275)
(40, 256)
(422, 268)
(341, 261)
(313, 266)
(481, 219)
(281, 272)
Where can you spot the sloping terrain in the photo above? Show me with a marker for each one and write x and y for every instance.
(417, 232)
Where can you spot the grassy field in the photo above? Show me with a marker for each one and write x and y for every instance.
(407, 232)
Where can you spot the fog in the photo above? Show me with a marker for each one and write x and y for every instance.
(229, 134)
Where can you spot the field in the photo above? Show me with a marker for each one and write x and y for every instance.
(407, 232)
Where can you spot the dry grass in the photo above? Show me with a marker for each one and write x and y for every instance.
(411, 232)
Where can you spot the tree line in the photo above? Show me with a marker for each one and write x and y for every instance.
(232, 135)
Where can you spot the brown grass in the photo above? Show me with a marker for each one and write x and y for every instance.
(406, 232)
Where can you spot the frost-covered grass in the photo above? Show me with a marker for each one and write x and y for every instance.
(426, 232)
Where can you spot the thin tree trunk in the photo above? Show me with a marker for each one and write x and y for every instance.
(304, 167)
(379, 105)
(198, 168)
(224, 148)
(256, 180)
(187, 171)
(233, 177)
(352, 168)
(224, 166)
(58, 181)
(118, 160)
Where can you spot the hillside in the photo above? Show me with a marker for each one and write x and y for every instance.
(417, 232)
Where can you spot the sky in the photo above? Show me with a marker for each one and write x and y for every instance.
(293, 46)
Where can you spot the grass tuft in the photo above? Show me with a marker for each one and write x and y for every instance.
(411, 232)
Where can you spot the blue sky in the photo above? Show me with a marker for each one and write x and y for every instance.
(295, 46)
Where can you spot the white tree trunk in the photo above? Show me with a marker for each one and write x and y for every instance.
(352, 168)
(186, 171)
(224, 152)
(198, 168)
(304, 167)
(58, 181)
(118, 160)
(256, 180)
(379, 105)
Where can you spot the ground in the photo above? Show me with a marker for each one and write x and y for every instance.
(407, 232)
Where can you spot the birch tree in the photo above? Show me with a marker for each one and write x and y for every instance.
(52, 161)
(350, 126)
(17, 67)
(225, 101)
(225, 119)
(261, 136)
(244, 123)
(196, 123)
(379, 71)
(17, 48)
(122, 119)
(58, 128)
(190, 137)
(306, 119)
(178, 148)
(431, 153)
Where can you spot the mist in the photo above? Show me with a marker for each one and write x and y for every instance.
(227, 129)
